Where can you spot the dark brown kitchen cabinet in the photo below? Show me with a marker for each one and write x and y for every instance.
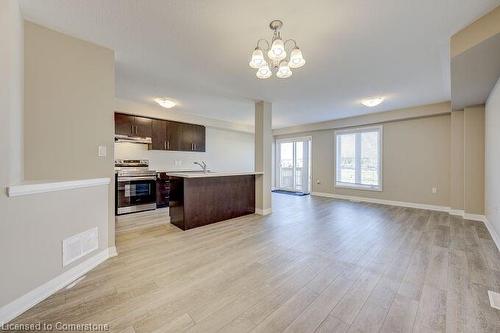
(159, 135)
(164, 134)
(199, 138)
(174, 135)
(193, 137)
(124, 124)
(132, 126)
(143, 127)
(187, 137)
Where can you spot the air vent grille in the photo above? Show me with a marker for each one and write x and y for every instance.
(79, 245)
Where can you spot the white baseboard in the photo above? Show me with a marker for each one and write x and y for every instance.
(457, 212)
(383, 202)
(25, 302)
(493, 233)
(266, 211)
(112, 252)
(474, 217)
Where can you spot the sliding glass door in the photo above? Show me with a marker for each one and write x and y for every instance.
(293, 164)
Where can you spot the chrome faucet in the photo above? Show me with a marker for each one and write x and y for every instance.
(203, 165)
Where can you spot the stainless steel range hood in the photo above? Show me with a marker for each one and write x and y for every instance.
(132, 139)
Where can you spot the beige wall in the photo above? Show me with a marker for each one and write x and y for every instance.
(457, 161)
(474, 160)
(416, 158)
(33, 227)
(492, 162)
(69, 105)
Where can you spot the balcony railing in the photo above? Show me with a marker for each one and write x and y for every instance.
(286, 178)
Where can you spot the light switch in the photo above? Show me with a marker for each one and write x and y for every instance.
(101, 151)
(434, 190)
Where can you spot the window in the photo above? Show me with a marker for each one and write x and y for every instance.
(359, 158)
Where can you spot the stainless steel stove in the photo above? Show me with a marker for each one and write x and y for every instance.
(135, 186)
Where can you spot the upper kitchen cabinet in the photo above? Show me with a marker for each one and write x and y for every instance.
(199, 138)
(164, 134)
(159, 136)
(193, 138)
(124, 124)
(143, 127)
(174, 135)
(133, 126)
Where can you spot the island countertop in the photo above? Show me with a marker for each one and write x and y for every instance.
(201, 174)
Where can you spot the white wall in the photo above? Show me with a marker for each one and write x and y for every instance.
(226, 150)
(492, 158)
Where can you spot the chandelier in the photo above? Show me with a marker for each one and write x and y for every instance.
(274, 59)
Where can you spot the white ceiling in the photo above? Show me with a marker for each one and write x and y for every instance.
(197, 51)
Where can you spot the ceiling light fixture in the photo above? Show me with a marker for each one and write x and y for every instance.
(276, 55)
(165, 102)
(371, 102)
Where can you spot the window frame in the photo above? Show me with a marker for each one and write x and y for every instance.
(356, 130)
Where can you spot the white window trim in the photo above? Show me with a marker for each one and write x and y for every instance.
(341, 185)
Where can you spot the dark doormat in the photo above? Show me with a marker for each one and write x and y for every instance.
(299, 194)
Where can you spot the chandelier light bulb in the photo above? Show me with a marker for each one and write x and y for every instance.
(257, 58)
(296, 59)
(277, 51)
(264, 72)
(284, 70)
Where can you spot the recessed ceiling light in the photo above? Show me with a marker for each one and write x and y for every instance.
(371, 102)
(165, 102)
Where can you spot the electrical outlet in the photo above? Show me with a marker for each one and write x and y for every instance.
(178, 163)
(434, 190)
(317, 181)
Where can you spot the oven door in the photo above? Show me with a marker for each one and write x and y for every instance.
(135, 194)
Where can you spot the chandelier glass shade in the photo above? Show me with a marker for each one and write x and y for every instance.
(264, 72)
(277, 52)
(257, 59)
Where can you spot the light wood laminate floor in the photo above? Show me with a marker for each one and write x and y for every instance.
(314, 265)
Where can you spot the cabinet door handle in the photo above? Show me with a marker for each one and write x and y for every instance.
(168, 144)
(132, 129)
(136, 130)
(164, 144)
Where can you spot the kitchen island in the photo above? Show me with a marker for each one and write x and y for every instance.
(201, 198)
